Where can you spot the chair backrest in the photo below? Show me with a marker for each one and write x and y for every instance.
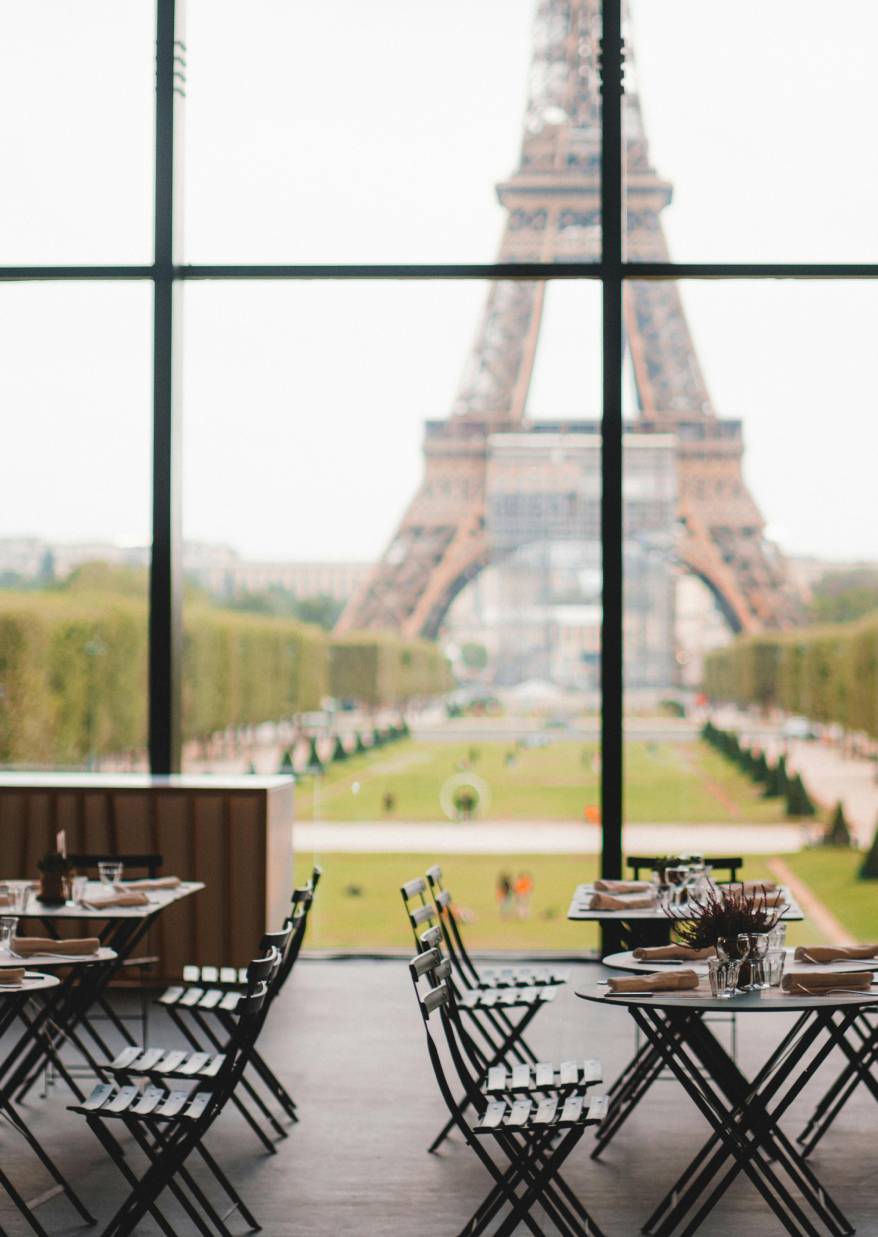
(440, 996)
(723, 865)
(148, 863)
(463, 964)
(422, 912)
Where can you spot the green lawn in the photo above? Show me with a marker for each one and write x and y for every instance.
(832, 874)
(358, 904)
(665, 783)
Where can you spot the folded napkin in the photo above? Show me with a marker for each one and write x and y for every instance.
(654, 953)
(161, 882)
(606, 902)
(621, 886)
(816, 982)
(751, 887)
(661, 981)
(135, 898)
(834, 953)
(770, 899)
(11, 975)
(27, 946)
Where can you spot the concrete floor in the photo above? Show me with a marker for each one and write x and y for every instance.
(347, 1039)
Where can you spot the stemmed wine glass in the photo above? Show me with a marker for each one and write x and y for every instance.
(677, 877)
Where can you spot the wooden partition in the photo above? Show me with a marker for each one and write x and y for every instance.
(234, 834)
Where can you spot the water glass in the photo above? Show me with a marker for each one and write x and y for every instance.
(723, 973)
(773, 964)
(110, 872)
(7, 932)
(760, 973)
(19, 892)
(78, 888)
(677, 878)
(777, 936)
(733, 948)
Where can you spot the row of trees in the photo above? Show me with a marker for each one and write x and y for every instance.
(829, 674)
(774, 779)
(73, 672)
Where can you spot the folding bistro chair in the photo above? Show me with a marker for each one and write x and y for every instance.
(469, 976)
(487, 1009)
(169, 1124)
(206, 1016)
(535, 1119)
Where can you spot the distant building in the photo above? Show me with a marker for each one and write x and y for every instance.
(218, 568)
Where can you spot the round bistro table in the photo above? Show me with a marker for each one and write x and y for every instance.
(743, 1114)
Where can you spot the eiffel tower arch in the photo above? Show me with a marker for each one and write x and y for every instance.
(553, 205)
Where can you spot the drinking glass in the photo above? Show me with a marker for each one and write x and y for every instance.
(7, 932)
(777, 936)
(19, 892)
(78, 888)
(110, 872)
(733, 948)
(677, 878)
(773, 964)
(723, 973)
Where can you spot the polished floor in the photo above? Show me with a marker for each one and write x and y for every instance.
(347, 1039)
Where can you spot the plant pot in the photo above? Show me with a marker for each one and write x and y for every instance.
(53, 889)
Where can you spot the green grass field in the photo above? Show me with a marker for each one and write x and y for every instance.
(358, 904)
(665, 783)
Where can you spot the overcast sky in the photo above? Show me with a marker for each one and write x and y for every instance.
(374, 130)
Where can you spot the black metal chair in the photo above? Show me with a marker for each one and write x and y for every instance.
(636, 862)
(196, 1010)
(170, 1124)
(534, 1140)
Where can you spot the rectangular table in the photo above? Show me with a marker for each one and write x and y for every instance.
(645, 926)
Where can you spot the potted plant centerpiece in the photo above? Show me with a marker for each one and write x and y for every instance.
(728, 922)
(55, 870)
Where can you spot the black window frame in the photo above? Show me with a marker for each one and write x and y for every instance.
(166, 579)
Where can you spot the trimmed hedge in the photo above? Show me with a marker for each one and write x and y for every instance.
(73, 672)
(828, 674)
(380, 668)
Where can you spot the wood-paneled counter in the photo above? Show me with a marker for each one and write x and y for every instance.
(234, 834)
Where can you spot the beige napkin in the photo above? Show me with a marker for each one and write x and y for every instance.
(135, 898)
(834, 953)
(606, 902)
(27, 946)
(750, 887)
(621, 886)
(160, 882)
(11, 975)
(815, 982)
(662, 981)
(654, 953)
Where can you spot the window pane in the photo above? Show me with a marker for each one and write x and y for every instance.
(308, 462)
(77, 107)
(775, 535)
(379, 132)
(74, 524)
(762, 122)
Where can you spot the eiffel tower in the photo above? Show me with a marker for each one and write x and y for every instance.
(553, 200)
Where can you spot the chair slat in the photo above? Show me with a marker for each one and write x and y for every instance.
(213, 1066)
(493, 1115)
(99, 1096)
(569, 1073)
(230, 1001)
(211, 998)
(209, 974)
(148, 1101)
(127, 1056)
(591, 1071)
(123, 1100)
(175, 1102)
(412, 888)
(171, 996)
(198, 1105)
(597, 1107)
(228, 975)
(496, 1079)
(545, 1113)
(191, 974)
(520, 1112)
(192, 997)
(572, 1109)
(171, 1062)
(149, 1059)
(520, 1076)
(196, 1062)
(545, 1071)
(547, 994)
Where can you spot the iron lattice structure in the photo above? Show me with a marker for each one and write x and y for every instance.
(553, 204)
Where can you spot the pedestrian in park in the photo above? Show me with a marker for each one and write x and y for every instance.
(504, 895)
(523, 888)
